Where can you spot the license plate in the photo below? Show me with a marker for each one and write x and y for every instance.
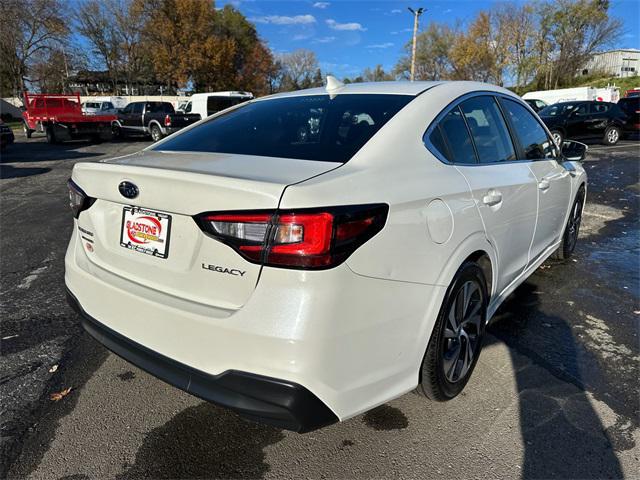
(145, 231)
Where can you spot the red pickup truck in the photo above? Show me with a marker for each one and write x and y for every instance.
(61, 118)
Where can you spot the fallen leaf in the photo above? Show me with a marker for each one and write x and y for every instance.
(53, 369)
(60, 395)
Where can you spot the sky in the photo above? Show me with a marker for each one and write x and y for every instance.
(349, 35)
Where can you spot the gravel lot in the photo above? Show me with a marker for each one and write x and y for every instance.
(555, 393)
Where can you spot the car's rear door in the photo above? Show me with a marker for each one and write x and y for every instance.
(553, 181)
(577, 122)
(599, 118)
(503, 188)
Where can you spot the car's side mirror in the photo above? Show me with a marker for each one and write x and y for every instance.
(574, 151)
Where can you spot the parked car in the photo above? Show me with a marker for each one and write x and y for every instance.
(6, 135)
(631, 107)
(633, 92)
(303, 280)
(99, 107)
(157, 119)
(535, 104)
(207, 104)
(584, 120)
(61, 118)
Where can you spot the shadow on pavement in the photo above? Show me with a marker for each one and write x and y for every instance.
(33, 151)
(9, 171)
(562, 434)
(204, 441)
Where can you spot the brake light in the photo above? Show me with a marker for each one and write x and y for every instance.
(305, 239)
(78, 200)
(167, 121)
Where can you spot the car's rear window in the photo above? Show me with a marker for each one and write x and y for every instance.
(630, 104)
(314, 127)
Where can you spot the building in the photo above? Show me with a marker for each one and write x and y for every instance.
(615, 63)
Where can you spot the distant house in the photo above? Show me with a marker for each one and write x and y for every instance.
(615, 63)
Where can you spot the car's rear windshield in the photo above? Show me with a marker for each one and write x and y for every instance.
(92, 105)
(630, 104)
(314, 127)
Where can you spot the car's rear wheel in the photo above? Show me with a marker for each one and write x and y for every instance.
(51, 135)
(456, 340)
(572, 229)
(557, 137)
(156, 134)
(116, 131)
(611, 135)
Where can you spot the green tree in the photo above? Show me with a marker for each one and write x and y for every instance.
(433, 54)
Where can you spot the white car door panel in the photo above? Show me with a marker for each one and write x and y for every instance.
(505, 195)
(554, 188)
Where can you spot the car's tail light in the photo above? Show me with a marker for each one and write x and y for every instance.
(167, 121)
(306, 239)
(78, 200)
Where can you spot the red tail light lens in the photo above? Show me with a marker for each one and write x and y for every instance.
(167, 121)
(78, 200)
(306, 239)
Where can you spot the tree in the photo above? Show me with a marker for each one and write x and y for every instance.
(433, 54)
(29, 29)
(574, 31)
(300, 70)
(377, 74)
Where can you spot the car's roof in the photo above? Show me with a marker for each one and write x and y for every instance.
(387, 88)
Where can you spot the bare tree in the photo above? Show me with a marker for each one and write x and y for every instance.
(300, 70)
(433, 54)
(29, 29)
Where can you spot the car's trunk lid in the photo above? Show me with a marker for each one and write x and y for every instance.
(178, 185)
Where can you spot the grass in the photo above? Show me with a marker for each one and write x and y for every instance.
(624, 84)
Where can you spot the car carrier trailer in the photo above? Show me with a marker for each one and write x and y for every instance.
(61, 118)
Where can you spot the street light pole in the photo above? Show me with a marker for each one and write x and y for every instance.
(416, 15)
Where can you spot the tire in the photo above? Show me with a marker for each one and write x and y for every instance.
(444, 372)
(51, 135)
(612, 135)
(117, 131)
(156, 133)
(27, 131)
(572, 229)
(558, 137)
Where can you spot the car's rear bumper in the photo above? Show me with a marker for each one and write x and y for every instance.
(269, 400)
(354, 342)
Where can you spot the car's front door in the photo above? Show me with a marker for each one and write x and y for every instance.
(552, 179)
(503, 188)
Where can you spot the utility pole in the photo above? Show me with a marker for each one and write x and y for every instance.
(416, 16)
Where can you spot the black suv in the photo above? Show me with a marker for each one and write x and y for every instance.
(585, 120)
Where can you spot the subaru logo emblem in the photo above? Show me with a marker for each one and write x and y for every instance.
(128, 189)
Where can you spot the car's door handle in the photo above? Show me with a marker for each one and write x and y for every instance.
(493, 197)
(544, 184)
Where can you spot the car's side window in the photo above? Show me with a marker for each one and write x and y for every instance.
(138, 108)
(581, 109)
(488, 128)
(128, 108)
(532, 137)
(456, 141)
(599, 107)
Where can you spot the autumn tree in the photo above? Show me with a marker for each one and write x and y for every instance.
(433, 54)
(29, 31)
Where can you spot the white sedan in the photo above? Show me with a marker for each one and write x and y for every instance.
(304, 257)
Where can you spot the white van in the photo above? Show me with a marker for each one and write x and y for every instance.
(607, 94)
(207, 104)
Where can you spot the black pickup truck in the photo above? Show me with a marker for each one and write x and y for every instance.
(157, 119)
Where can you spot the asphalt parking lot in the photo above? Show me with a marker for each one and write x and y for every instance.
(555, 393)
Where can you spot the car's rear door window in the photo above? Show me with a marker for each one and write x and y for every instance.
(532, 137)
(488, 129)
(454, 132)
(311, 127)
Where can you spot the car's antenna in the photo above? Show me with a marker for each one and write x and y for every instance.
(333, 84)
